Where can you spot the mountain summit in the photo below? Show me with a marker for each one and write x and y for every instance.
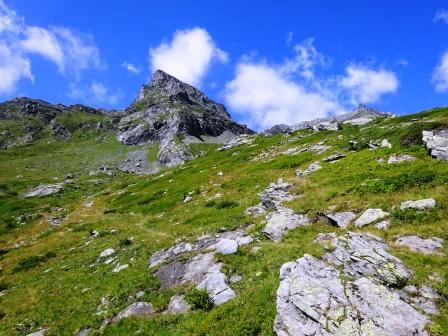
(174, 114)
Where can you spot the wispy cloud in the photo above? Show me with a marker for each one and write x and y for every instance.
(441, 15)
(187, 56)
(95, 93)
(440, 74)
(131, 67)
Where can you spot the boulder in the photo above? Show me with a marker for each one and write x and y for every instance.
(226, 246)
(341, 219)
(436, 142)
(135, 309)
(422, 204)
(370, 216)
(107, 252)
(417, 244)
(385, 143)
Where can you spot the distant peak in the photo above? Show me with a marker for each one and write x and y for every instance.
(160, 75)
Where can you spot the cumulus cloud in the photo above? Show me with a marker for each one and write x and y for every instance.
(95, 93)
(41, 41)
(441, 15)
(131, 67)
(187, 56)
(367, 85)
(264, 94)
(71, 52)
(440, 74)
(13, 67)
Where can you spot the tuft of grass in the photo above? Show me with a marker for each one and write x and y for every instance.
(33, 261)
(199, 299)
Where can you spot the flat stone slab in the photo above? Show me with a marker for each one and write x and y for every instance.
(135, 309)
(422, 204)
(370, 216)
(341, 219)
(334, 157)
(45, 190)
(400, 158)
(315, 166)
(276, 194)
(256, 210)
(417, 244)
(314, 299)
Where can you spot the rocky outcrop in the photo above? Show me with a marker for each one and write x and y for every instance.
(436, 142)
(352, 291)
(174, 113)
(135, 309)
(281, 219)
(341, 219)
(278, 129)
(370, 216)
(315, 166)
(400, 158)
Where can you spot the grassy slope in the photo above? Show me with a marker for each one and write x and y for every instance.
(151, 210)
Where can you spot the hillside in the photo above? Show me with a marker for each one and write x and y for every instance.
(91, 247)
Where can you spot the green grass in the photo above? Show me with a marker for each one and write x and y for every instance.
(138, 215)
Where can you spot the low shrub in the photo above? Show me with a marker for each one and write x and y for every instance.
(199, 299)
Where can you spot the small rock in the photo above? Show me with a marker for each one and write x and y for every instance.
(325, 238)
(385, 143)
(107, 252)
(383, 225)
(44, 190)
(135, 309)
(315, 166)
(334, 157)
(417, 244)
(370, 216)
(400, 158)
(256, 210)
(281, 221)
(341, 219)
(220, 173)
(235, 278)
(119, 268)
(187, 199)
(226, 246)
(41, 332)
(177, 305)
(419, 204)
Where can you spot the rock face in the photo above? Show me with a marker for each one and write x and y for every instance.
(419, 204)
(350, 292)
(174, 113)
(370, 216)
(436, 142)
(417, 244)
(278, 129)
(137, 162)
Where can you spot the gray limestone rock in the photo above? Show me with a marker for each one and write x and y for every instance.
(314, 299)
(256, 210)
(135, 309)
(419, 204)
(334, 157)
(383, 225)
(341, 219)
(417, 244)
(45, 189)
(177, 305)
(315, 166)
(275, 194)
(400, 158)
(281, 221)
(278, 129)
(436, 142)
(370, 216)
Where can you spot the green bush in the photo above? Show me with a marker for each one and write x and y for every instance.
(33, 261)
(198, 299)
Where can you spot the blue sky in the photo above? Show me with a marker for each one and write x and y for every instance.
(267, 61)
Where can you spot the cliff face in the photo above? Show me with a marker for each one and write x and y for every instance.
(174, 113)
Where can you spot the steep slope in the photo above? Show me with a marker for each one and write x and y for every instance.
(175, 114)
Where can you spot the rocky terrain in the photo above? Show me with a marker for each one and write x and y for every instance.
(169, 218)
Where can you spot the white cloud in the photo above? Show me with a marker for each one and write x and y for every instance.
(441, 15)
(187, 56)
(41, 41)
(266, 94)
(440, 74)
(307, 58)
(71, 52)
(367, 85)
(13, 67)
(131, 67)
(96, 93)
(264, 97)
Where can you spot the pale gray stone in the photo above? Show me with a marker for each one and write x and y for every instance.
(41, 332)
(395, 158)
(107, 252)
(226, 246)
(177, 305)
(135, 309)
(334, 157)
(383, 225)
(275, 194)
(315, 166)
(164, 255)
(215, 283)
(341, 219)
(419, 204)
(417, 244)
(436, 142)
(235, 278)
(256, 210)
(370, 216)
(385, 143)
(281, 222)
(45, 189)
